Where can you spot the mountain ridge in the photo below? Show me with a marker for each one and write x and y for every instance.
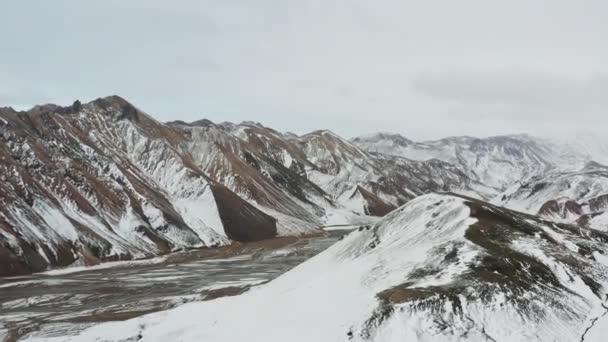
(105, 181)
(128, 186)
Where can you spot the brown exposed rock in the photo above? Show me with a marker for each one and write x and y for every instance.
(11, 264)
(562, 209)
(572, 207)
(550, 207)
(583, 221)
(374, 205)
(599, 203)
(242, 221)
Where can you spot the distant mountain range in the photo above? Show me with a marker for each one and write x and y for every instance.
(561, 181)
(105, 181)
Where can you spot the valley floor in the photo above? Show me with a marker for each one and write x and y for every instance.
(64, 301)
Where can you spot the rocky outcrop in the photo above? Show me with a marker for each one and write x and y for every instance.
(598, 204)
(372, 204)
(562, 209)
(241, 220)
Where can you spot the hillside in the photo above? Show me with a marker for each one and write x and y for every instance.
(442, 267)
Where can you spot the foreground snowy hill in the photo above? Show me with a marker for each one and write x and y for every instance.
(440, 268)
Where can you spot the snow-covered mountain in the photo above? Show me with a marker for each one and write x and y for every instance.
(344, 170)
(560, 179)
(440, 268)
(362, 182)
(497, 162)
(105, 181)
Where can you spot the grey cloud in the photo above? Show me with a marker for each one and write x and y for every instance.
(518, 93)
(21, 98)
(510, 86)
(426, 69)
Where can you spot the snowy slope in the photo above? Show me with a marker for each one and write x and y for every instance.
(249, 172)
(441, 268)
(580, 149)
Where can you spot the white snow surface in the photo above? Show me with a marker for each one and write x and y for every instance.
(110, 264)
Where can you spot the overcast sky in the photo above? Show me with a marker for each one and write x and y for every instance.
(426, 69)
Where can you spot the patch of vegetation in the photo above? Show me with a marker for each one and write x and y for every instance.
(384, 311)
(404, 293)
(494, 231)
(423, 272)
(433, 297)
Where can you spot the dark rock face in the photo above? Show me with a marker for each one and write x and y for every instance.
(553, 207)
(537, 187)
(11, 264)
(583, 221)
(202, 123)
(572, 207)
(396, 139)
(76, 106)
(242, 221)
(374, 205)
(122, 107)
(599, 203)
